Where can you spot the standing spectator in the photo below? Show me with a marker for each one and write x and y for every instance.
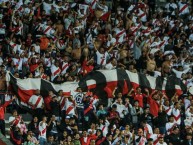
(33, 126)
(120, 108)
(42, 130)
(161, 120)
(113, 115)
(147, 116)
(55, 107)
(2, 115)
(53, 127)
(78, 98)
(136, 111)
(176, 113)
(138, 96)
(36, 101)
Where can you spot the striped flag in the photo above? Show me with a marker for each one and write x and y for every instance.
(124, 80)
(101, 83)
(25, 88)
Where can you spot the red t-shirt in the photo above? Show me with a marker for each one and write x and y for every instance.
(47, 101)
(33, 67)
(85, 141)
(2, 110)
(154, 106)
(139, 97)
(86, 68)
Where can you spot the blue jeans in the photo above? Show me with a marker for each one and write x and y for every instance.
(42, 141)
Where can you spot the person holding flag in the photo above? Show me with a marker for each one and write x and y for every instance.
(2, 114)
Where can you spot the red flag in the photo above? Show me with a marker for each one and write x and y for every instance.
(109, 92)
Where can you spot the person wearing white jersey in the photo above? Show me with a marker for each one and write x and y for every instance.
(42, 130)
(171, 7)
(36, 101)
(139, 139)
(78, 99)
(47, 6)
(161, 141)
(102, 56)
(170, 125)
(183, 8)
(180, 71)
(92, 3)
(70, 107)
(55, 71)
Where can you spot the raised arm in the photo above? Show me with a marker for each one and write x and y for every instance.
(95, 48)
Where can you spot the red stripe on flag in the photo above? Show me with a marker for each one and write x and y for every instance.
(91, 86)
(179, 92)
(69, 109)
(24, 95)
(125, 88)
(66, 93)
(105, 17)
(134, 85)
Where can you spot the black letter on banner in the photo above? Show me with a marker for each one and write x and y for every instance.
(159, 83)
(101, 83)
(45, 87)
(123, 77)
(170, 86)
(143, 81)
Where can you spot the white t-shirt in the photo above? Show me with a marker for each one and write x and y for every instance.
(11, 119)
(109, 66)
(101, 58)
(47, 7)
(33, 99)
(42, 129)
(37, 48)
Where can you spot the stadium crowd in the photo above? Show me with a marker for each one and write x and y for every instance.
(63, 40)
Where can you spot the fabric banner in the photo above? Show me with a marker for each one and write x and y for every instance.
(101, 83)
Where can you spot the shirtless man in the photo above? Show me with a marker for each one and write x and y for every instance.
(76, 53)
(151, 64)
(167, 65)
(59, 28)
